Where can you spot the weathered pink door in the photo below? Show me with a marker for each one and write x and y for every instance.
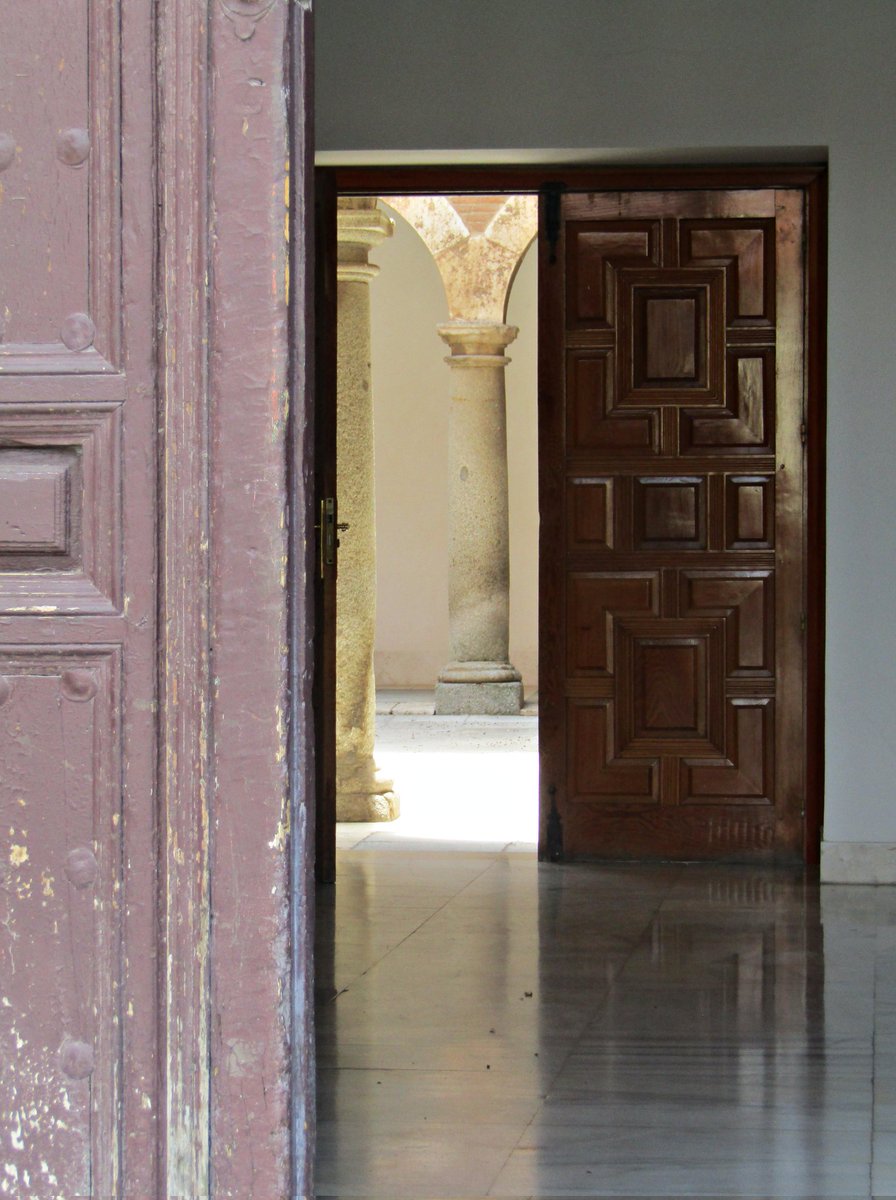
(152, 753)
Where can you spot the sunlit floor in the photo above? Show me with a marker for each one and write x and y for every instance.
(470, 781)
(491, 1027)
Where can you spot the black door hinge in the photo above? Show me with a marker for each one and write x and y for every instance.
(553, 194)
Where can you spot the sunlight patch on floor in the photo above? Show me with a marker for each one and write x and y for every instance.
(466, 781)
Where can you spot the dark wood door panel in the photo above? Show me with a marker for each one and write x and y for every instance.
(745, 602)
(594, 422)
(672, 404)
(745, 423)
(596, 251)
(595, 601)
(745, 248)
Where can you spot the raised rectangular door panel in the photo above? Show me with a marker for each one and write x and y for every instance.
(745, 424)
(595, 252)
(745, 248)
(595, 772)
(39, 507)
(746, 772)
(593, 420)
(670, 513)
(60, 121)
(672, 399)
(668, 686)
(596, 602)
(665, 351)
(591, 513)
(60, 850)
(60, 472)
(746, 603)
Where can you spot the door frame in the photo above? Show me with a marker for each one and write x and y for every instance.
(811, 178)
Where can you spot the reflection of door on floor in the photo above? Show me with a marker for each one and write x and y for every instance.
(673, 483)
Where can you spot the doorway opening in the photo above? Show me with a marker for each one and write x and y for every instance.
(689, 260)
(453, 468)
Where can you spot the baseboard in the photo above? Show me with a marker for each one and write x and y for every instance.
(858, 862)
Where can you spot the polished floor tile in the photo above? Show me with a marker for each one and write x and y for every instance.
(492, 1027)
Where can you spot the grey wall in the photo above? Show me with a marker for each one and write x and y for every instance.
(689, 80)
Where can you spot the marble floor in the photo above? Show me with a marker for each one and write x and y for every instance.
(491, 1027)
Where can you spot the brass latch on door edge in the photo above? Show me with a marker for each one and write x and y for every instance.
(327, 533)
(326, 530)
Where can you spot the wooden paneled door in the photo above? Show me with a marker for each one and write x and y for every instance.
(673, 500)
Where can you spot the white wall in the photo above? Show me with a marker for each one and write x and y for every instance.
(410, 390)
(517, 80)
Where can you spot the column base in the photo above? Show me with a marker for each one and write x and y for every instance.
(482, 699)
(367, 806)
(362, 792)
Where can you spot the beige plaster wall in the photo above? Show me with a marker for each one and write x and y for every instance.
(410, 390)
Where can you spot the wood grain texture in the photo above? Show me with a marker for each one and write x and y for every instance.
(142, 1100)
(126, 551)
(184, 684)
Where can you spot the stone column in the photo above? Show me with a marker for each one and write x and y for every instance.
(479, 678)
(362, 794)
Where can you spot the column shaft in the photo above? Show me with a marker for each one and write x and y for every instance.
(479, 678)
(362, 794)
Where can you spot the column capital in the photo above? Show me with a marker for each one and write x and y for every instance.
(360, 226)
(477, 343)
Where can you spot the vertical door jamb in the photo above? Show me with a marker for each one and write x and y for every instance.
(302, 590)
(325, 486)
(816, 450)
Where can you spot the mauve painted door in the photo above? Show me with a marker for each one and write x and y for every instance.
(78, 1064)
(156, 757)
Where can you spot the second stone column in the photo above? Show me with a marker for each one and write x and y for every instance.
(479, 678)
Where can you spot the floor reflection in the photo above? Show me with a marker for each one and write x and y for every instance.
(491, 1027)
